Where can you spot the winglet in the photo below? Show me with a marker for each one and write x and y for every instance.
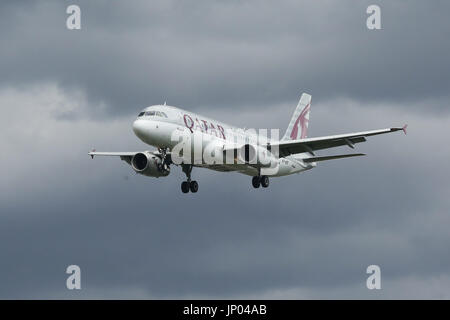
(404, 128)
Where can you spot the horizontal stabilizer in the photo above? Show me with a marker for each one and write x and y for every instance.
(316, 159)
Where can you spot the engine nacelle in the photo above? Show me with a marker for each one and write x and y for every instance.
(149, 164)
(257, 155)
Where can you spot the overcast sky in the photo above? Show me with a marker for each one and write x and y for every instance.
(312, 235)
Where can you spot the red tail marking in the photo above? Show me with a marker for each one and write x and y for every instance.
(303, 123)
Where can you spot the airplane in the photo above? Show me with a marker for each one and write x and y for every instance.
(246, 151)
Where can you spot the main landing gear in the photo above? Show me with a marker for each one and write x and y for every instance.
(188, 185)
(165, 162)
(260, 180)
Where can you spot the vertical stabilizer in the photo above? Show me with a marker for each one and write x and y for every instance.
(298, 127)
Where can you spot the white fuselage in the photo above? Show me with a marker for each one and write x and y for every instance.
(158, 125)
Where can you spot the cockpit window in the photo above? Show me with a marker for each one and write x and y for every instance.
(153, 113)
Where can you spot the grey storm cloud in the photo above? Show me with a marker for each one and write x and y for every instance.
(308, 236)
(202, 54)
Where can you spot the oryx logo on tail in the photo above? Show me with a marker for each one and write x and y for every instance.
(302, 121)
(298, 127)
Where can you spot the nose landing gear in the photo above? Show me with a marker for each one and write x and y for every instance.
(256, 182)
(260, 181)
(264, 181)
(185, 187)
(191, 185)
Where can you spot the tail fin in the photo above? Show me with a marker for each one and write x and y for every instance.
(298, 127)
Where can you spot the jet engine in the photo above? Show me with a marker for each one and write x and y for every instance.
(257, 155)
(149, 164)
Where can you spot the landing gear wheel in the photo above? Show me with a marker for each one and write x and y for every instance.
(189, 184)
(193, 186)
(163, 167)
(265, 181)
(185, 187)
(256, 181)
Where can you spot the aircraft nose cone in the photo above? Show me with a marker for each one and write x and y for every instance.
(139, 128)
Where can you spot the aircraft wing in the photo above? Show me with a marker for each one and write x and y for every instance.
(117, 154)
(288, 147)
